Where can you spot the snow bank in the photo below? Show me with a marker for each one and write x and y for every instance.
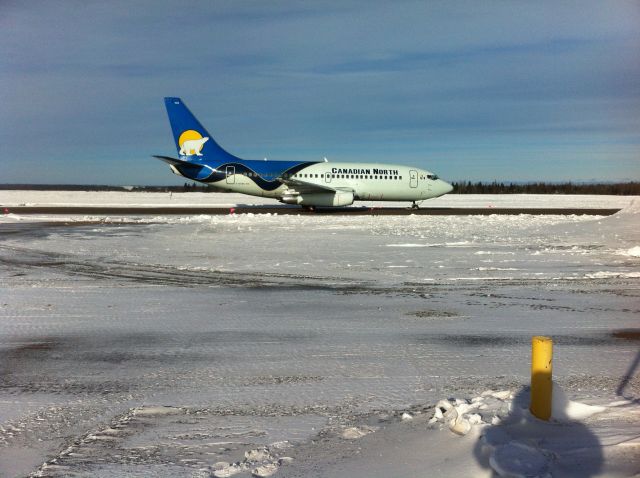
(563, 409)
(127, 198)
(511, 442)
(632, 252)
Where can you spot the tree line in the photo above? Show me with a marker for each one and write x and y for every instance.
(495, 187)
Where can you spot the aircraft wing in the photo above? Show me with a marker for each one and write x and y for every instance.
(304, 187)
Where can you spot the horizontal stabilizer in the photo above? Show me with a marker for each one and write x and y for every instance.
(177, 162)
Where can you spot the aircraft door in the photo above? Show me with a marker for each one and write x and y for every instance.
(231, 174)
(327, 177)
(413, 178)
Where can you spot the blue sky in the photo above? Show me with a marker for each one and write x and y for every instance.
(471, 90)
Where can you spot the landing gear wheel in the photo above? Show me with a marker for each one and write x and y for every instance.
(414, 206)
(309, 208)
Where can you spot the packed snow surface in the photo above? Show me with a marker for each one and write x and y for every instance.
(315, 345)
(116, 198)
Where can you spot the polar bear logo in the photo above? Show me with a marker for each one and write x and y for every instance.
(192, 146)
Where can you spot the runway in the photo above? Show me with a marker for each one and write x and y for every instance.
(294, 210)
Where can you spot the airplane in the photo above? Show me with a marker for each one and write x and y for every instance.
(310, 184)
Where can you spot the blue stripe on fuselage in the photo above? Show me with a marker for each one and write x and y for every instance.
(267, 171)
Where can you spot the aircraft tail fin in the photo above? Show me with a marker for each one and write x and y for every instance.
(192, 140)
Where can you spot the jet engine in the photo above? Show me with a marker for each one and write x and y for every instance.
(339, 198)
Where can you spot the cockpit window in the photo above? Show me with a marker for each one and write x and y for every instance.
(432, 176)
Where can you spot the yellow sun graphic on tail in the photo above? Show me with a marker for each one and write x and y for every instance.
(191, 142)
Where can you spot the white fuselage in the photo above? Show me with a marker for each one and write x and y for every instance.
(368, 181)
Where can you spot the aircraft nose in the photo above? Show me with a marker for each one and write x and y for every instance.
(444, 187)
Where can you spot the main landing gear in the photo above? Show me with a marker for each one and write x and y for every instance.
(309, 208)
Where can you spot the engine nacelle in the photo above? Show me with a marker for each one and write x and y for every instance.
(339, 198)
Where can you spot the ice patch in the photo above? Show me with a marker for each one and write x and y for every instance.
(453, 279)
(222, 469)
(633, 252)
(353, 433)
(260, 454)
(613, 275)
(156, 411)
(265, 470)
(261, 462)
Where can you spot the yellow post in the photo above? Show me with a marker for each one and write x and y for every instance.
(541, 382)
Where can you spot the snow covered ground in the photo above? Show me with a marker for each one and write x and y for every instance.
(169, 346)
(116, 198)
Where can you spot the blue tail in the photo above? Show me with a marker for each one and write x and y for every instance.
(193, 141)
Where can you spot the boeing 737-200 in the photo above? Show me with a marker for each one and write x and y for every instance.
(307, 183)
